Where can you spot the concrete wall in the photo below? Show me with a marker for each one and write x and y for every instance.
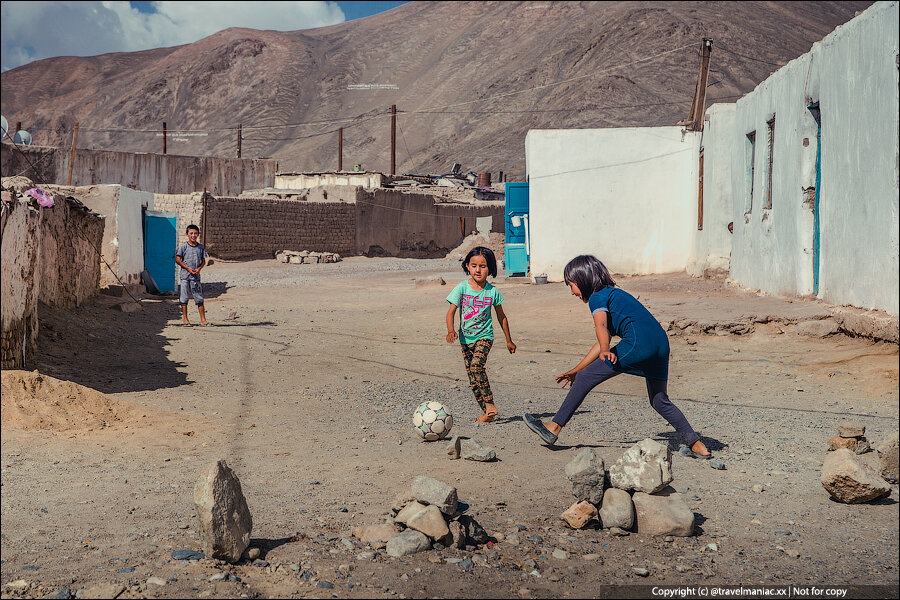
(628, 196)
(48, 255)
(157, 173)
(711, 246)
(297, 181)
(853, 75)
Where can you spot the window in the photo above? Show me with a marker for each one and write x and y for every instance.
(770, 147)
(751, 163)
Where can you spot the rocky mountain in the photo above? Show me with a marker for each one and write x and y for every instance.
(469, 79)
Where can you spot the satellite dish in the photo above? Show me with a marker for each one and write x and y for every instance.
(22, 137)
(5, 125)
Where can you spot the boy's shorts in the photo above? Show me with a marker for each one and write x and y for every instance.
(196, 290)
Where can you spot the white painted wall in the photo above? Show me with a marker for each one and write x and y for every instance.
(711, 248)
(853, 74)
(299, 181)
(628, 196)
(130, 232)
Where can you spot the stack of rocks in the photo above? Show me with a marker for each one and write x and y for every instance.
(305, 257)
(852, 436)
(428, 513)
(639, 492)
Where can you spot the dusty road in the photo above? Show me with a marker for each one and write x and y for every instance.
(308, 394)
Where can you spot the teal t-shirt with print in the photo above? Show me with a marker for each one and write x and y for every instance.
(475, 319)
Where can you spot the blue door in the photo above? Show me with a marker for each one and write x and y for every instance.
(817, 115)
(516, 251)
(160, 237)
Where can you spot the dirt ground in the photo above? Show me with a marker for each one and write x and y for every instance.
(308, 393)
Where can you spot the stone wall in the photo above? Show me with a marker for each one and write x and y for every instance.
(49, 255)
(244, 227)
(188, 206)
(157, 173)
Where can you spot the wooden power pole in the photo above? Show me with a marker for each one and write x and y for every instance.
(698, 106)
(340, 148)
(393, 139)
(72, 155)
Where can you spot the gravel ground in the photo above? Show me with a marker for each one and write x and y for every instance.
(308, 394)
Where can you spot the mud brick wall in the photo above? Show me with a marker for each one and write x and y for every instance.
(49, 255)
(245, 227)
(188, 206)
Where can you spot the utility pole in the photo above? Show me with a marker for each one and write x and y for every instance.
(164, 137)
(393, 139)
(239, 140)
(340, 148)
(698, 107)
(72, 155)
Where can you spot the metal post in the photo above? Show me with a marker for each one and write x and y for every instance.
(72, 155)
(164, 137)
(393, 139)
(340, 148)
(239, 140)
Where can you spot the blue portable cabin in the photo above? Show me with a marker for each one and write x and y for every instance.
(515, 254)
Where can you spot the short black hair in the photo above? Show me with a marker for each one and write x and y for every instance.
(192, 226)
(488, 255)
(589, 274)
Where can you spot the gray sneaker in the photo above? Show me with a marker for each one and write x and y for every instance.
(536, 426)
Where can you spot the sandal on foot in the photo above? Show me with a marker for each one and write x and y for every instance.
(486, 418)
(685, 451)
(536, 426)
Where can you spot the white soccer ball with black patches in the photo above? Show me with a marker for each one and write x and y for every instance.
(432, 420)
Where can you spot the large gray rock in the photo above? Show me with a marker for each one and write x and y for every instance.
(888, 458)
(588, 474)
(431, 491)
(225, 521)
(430, 522)
(645, 467)
(850, 481)
(663, 514)
(408, 542)
(617, 509)
(471, 449)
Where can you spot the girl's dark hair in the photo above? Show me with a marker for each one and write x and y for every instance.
(589, 274)
(488, 255)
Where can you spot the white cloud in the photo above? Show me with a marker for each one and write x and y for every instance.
(35, 30)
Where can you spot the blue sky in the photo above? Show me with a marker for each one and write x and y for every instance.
(35, 30)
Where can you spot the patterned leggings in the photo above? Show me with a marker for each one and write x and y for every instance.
(475, 356)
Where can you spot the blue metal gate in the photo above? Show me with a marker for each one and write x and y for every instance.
(160, 238)
(515, 254)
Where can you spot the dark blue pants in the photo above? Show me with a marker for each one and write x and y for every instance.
(599, 371)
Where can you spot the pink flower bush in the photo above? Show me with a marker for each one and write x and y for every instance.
(43, 198)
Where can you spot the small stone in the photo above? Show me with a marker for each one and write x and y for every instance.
(475, 533)
(791, 552)
(458, 534)
(220, 576)
(156, 581)
(668, 538)
(640, 571)
(758, 488)
(187, 555)
(851, 429)
(645, 467)
(713, 547)
(888, 457)
(60, 594)
(618, 532)
(587, 474)
(560, 554)
(466, 563)
(438, 493)
(371, 533)
(454, 447)
(717, 464)
(850, 443)
(260, 563)
(580, 514)
(408, 542)
(591, 557)
(251, 553)
(103, 590)
(617, 510)
(365, 556)
(471, 449)
(680, 569)
(325, 585)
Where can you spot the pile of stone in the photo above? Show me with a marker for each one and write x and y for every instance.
(305, 257)
(852, 436)
(427, 514)
(638, 494)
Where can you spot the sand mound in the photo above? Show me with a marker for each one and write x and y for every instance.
(33, 401)
(496, 244)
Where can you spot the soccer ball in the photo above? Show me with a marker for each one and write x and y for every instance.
(432, 420)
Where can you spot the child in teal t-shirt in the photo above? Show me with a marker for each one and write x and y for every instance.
(474, 298)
